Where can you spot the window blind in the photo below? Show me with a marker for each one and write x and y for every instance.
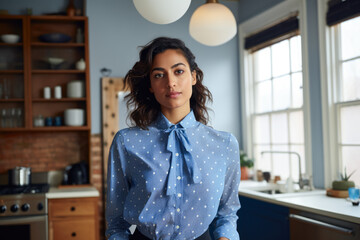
(271, 35)
(341, 10)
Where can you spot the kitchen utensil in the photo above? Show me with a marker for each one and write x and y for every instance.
(10, 38)
(55, 38)
(75, 89)
(48, 121)
(267, 176)
(19, 176)
(74, 117)
(354, 195)
(39, 121)
(76, 174)
(47, 92)
(55, 62)
(57, 92)
(58, 121)
(80, 65)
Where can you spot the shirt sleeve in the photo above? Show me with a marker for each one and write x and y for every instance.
(117, 189)
(224, 224)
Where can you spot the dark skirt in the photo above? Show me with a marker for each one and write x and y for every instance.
(138, 236)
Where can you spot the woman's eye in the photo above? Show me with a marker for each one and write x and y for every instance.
(179, 71)
(158, 75)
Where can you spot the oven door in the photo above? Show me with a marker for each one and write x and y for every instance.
(24, 228)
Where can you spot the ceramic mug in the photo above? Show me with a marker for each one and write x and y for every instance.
(75, 89)
(74, 117)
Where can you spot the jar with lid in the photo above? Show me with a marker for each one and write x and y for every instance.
(39, 121)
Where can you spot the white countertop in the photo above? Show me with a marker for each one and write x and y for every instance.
(76, 192)
(314, 201)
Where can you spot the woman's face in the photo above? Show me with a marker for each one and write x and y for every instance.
(171, 81)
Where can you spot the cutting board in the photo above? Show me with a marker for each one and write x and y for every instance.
(337, 193)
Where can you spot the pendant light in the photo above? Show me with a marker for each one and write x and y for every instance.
(162, 11)
(212, 24)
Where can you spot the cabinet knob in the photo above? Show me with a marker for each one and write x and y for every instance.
(73, 234)
(72, 209)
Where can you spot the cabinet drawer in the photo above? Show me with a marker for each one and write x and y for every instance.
(72, 207)
(78, 229)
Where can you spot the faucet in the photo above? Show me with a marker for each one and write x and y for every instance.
(302, 182)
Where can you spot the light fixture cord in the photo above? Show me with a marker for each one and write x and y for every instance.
(212, 1)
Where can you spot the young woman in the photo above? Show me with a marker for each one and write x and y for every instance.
(171, 175)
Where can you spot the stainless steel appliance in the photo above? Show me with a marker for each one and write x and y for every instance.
(23, 212)
(19, 176)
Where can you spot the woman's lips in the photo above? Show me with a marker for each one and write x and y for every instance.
(173, 94)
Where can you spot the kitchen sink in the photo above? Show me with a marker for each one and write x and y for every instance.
(273, 190)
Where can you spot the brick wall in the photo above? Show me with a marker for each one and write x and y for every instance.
(54, 151)
(42, 151)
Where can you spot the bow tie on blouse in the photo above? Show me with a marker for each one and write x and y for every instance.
(177, 133)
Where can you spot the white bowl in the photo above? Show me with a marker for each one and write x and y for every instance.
(75, 89)
(74, 117)
(55, 62)
(10, 38)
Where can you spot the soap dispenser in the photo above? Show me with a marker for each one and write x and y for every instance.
(289, 185)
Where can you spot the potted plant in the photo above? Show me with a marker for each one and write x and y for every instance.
(245, 164)
(344, 184)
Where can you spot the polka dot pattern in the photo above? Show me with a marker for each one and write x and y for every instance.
(173, 181)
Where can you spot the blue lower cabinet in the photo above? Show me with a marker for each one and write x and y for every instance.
(259, 220)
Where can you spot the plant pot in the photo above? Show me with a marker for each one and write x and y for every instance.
(342, 185)
(244, 173)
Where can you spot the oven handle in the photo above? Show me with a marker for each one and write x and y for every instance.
(22, 219)
(320, 223)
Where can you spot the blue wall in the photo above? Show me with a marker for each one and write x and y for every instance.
(117, 30)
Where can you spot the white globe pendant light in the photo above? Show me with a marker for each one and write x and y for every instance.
(162, 11)
(212, 24)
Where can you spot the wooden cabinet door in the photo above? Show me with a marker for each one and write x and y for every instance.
(72, 207)
(74, 229)
(74, 218)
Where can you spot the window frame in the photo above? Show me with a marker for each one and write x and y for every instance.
(330, 94)
(268, 17)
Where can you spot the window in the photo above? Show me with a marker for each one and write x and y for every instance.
(346, 99)
(275, 107)
(339, 24)
(277, 117)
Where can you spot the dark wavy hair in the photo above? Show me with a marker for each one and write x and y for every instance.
(145, 108)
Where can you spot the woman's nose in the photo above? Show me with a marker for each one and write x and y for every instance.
(171, 81)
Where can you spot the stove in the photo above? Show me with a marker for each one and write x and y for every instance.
(32, 188)
(23, 200)
(23, 212)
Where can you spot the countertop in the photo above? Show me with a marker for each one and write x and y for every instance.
(314, 201)
(75, 192)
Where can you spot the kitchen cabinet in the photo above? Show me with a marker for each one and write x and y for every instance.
(312, 226)
(25, 68)
(73, 218)
(25, 72)
(12, 73)
(262, 220)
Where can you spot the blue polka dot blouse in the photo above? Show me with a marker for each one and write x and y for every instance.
(173, 181)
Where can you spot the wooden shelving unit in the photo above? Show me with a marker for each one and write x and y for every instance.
(24, 68)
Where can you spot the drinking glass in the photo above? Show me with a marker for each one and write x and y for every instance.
(354, 195)
(3, 116)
